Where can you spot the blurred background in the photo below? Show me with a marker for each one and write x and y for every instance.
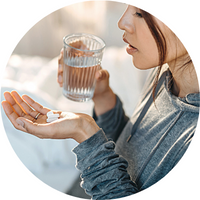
(32, 70)
(95, 17)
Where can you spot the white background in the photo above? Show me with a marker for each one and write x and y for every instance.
(17, 17)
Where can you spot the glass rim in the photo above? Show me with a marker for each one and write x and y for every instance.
(98, 39)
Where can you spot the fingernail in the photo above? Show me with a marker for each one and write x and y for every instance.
(20, 122)
(60, 79)
(60, 67)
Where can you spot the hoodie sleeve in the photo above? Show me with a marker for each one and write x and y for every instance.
(103, 172)
(113, 121)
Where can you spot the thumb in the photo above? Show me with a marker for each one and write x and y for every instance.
(24, 123)
(38, 130)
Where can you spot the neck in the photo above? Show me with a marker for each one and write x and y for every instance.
(184, 78)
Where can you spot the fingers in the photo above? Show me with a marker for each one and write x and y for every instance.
(24, 105)
(60, 69)
(12, 116)
(102, 74)
(39, 108)
(13, 104)
(21, 115)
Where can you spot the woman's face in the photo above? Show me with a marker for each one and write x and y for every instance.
(142, 46)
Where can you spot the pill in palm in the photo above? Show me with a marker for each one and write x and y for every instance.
(53, 116)
(49, 113)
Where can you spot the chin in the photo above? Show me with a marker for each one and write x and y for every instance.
(139, 65)
(142, 66)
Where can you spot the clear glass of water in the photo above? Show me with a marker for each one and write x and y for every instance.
(82, 58)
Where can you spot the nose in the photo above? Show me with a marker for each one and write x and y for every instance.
(120, 23)
(124, 22)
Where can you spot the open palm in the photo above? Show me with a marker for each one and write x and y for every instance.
(29, 116)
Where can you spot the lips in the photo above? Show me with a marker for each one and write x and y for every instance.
(130, 49)
(124, 39)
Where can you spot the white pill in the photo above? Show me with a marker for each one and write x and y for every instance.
(53, 116)
(49, 113)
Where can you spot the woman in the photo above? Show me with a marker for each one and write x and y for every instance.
(143, 148)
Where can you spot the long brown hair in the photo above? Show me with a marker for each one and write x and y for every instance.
(161, 44)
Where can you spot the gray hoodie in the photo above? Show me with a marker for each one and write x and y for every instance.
(112, 167)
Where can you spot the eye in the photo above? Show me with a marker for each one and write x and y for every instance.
(138, 14)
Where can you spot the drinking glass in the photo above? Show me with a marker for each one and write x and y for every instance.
(82, 58)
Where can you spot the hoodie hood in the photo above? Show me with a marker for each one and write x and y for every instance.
(191, 102)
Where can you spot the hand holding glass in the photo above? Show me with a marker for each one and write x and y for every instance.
(82, 58)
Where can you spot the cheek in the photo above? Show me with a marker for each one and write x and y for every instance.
(147, 57)
(148, 52)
